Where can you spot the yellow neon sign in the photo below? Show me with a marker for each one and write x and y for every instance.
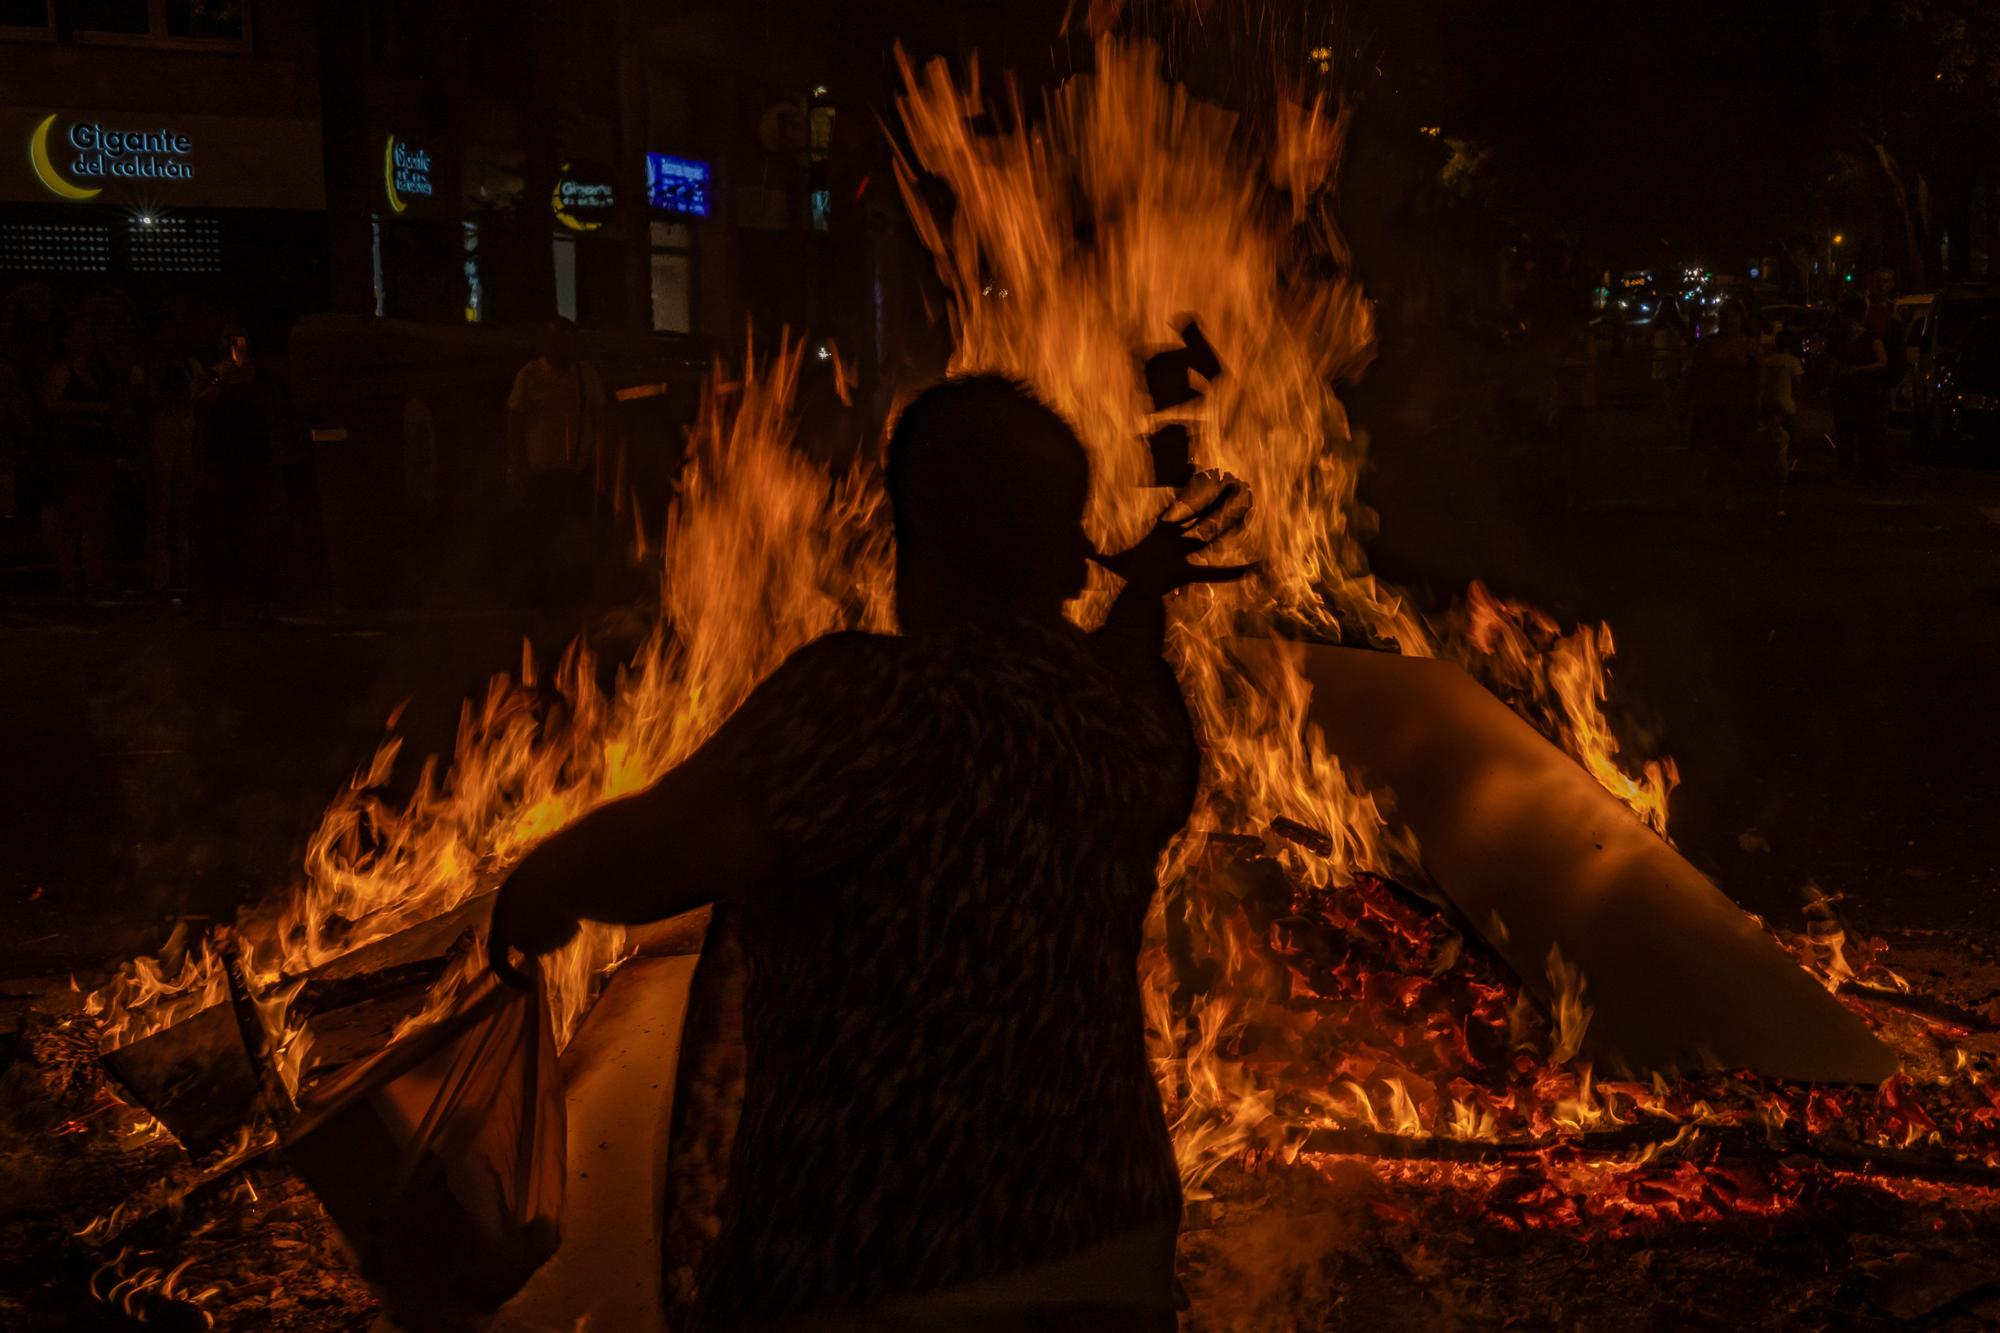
(45, 168)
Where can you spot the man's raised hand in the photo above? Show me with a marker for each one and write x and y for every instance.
(1212, 507)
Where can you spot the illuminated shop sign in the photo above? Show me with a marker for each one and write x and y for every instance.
(676, 185)
(583, 197)
(89, 151)
(406, 174)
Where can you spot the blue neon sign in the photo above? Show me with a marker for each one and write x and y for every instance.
(677, 185)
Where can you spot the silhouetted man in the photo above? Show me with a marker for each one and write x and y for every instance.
(938, 850)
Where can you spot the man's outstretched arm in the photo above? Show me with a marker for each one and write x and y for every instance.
(690, 839)
(783, 784)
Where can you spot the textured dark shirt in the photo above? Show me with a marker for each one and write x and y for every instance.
(946, 1076)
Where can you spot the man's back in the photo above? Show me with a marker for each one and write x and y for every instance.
(947, 1073)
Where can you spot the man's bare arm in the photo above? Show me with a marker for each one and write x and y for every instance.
(690, 839)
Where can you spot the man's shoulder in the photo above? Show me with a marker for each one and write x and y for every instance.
(844, 650)
(824, 668)
(829, 683)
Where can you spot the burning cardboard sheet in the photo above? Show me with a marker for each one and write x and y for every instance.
(618, 1080)
(1546, 864)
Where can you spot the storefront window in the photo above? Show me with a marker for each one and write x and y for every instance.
(217, 20)
(55, 247)
(422, 271)
(565, 257)
(173, 244)
(36, 14)
(122, 16)
(673, 278)
(223, 22)
(819, 198)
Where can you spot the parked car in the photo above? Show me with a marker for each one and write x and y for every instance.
(1967, 392)
(1938, 337)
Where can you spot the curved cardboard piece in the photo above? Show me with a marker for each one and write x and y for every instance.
(618, 1077)
(1539, 856)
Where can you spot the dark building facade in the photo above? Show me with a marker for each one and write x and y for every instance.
(162, 157)
(392, 196)
(634, 166)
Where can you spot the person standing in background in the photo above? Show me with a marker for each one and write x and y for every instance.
(1782, 369)
(1881, 315)
(1860, 385)
(235, 450)
(1722, 392)
(87, 414)
(167, 378)
(555, 434)
(1779, 403)
(1886, 328)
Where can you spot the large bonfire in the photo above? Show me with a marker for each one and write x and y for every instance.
(1307, 1006)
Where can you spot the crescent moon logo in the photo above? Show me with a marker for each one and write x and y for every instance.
(396, 204)
(562, 212)
(45, 169)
